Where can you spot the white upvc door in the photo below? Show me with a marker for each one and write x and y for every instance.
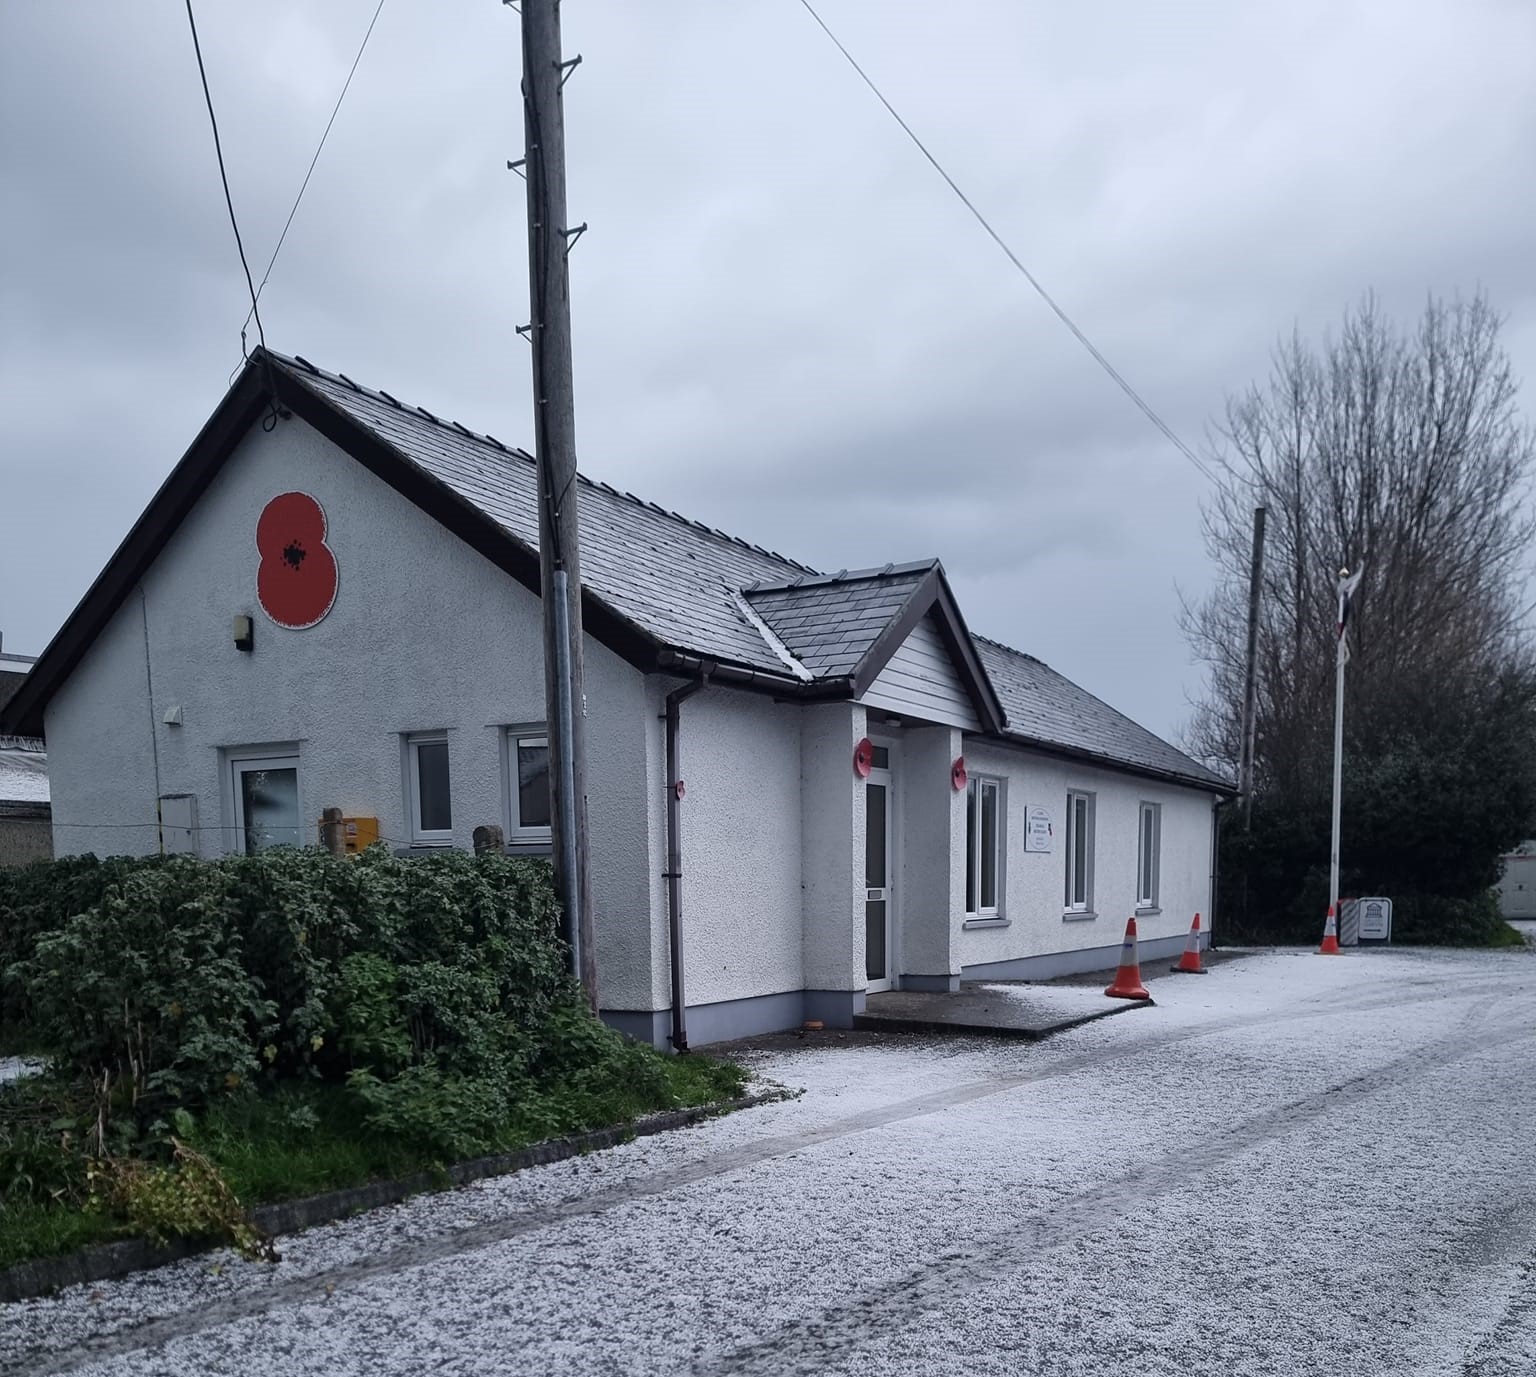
(266, 802)
(879, 874)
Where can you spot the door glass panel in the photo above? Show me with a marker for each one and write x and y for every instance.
(269, 806)
(432, 775)
(970, 848)
(874, 939)
(874, 836)
(880, 757)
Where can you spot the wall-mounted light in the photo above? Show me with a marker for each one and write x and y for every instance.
(245, 633)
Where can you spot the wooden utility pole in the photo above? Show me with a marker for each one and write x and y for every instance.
(554, 421)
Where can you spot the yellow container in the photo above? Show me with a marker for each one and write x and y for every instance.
(359, 834)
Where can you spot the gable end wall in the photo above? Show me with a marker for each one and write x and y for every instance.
(424, 635)
(920, 680)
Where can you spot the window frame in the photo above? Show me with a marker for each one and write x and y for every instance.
(237, 761)
(976, 790)
(1149, 868)
(1072, 906)
(513, 736)
(420, 834)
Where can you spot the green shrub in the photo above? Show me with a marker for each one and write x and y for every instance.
(291, 1021)
(145, 997)
(1446, 922)
(38, 899)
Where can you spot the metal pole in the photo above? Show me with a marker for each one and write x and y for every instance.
(549, 333)
(1250, 674)
(674, 873)
(1338, 778)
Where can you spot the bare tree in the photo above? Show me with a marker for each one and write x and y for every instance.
(1404, 450)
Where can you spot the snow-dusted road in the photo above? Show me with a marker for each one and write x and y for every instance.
(1291, 1165)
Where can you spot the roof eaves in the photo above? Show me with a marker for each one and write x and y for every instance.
(781, 684)
(1210, 784)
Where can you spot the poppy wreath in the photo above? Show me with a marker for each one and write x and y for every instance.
(296, 581)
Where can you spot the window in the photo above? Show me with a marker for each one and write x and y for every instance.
(983, 839)
(528, 781)
(1079, 853)
(1149, 854)
(266, 801)
(428, 798)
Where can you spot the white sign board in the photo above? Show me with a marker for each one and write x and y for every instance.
(1037, 830)
(1375, 920)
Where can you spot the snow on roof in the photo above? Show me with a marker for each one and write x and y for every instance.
(23, 770)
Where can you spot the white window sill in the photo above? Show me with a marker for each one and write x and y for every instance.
(1076, 915)
(985, 920)
(441, 841)
(1149, 911)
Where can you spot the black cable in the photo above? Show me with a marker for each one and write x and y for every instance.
(218, 149)
(305, 186)
(1013, 258)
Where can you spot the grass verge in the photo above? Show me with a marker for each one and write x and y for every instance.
(301, 1140)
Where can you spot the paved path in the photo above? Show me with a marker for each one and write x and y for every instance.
(1292, 1165)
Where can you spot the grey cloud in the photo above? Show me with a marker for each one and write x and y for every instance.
(785, 325)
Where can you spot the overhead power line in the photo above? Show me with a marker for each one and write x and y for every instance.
(234, 224)
(218, 149)
(294, 210)
(1142, 404)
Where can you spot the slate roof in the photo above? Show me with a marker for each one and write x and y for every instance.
(656, 584)
(1046, 707)
(672, 576)
(830, 622)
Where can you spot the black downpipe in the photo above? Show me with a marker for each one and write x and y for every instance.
(674, 871)
(1216, 808)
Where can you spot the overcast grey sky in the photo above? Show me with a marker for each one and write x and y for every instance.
(785, 324)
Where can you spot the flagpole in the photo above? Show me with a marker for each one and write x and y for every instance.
(1347, 586)
(1338, 777)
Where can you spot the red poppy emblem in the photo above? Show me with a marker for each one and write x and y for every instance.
(863, 758)
(296, 581)
(957, 775)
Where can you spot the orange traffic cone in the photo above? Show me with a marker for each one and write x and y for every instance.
(1189, 963)
(1128, 978)
(1330, 945)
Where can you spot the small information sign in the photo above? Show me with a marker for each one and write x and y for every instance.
(1375, 920)
(1038, 830)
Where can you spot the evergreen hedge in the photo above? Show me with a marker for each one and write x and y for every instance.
(435, 990)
